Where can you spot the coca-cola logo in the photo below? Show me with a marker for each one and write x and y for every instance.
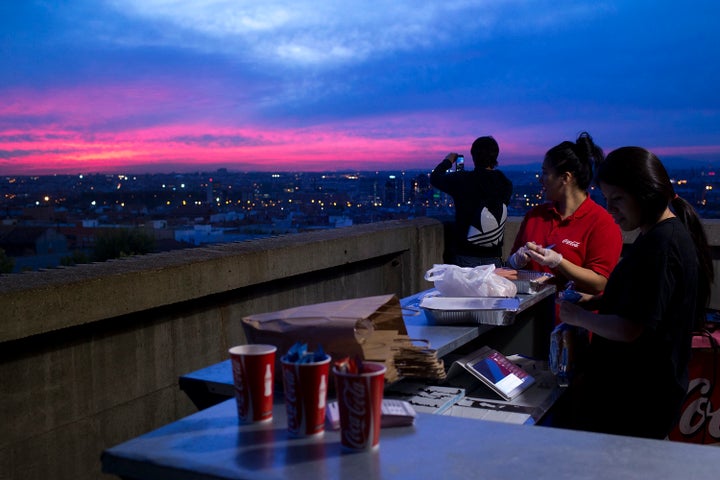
(240, 393)
(355, 398)
(698, 414)
(290, 385)
(291, 403)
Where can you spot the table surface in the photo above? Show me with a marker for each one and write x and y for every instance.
(217, 378)
(211, 445)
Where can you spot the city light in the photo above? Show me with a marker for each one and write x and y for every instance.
(253, 205)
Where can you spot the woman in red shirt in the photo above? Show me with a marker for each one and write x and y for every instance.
(570, 236)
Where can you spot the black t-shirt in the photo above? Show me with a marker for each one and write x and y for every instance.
(481, 198)
(637, 388)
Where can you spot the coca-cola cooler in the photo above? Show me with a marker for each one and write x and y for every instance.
(700, 418)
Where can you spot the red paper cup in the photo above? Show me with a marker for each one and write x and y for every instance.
(359, 397)
(253, 373)
(305, 386)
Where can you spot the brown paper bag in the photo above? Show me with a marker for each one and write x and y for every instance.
(359, 327)
(415, 361)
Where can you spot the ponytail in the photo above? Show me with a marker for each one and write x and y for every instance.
(577, 158)
(689, 217)
(588, 150)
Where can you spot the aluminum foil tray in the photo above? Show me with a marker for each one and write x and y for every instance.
(470, 310)
(531, 282)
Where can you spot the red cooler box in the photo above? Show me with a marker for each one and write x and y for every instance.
(700, 418)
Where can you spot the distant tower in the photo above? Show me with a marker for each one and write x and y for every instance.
(421, 191)
(391, 191)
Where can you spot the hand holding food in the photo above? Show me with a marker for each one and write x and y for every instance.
(544, 255)
(520, 258)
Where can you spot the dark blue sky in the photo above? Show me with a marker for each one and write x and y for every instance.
(150, 85)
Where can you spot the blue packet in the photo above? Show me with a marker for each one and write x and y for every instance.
(298, 353)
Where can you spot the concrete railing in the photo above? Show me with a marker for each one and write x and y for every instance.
(90, 355)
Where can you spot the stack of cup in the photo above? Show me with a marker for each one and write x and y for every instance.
(359, 395)
(253, 369)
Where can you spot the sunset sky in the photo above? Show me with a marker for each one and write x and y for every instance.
(136, 86)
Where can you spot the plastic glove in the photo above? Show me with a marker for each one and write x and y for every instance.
(546, 256)
(570, 294)
(520, 258)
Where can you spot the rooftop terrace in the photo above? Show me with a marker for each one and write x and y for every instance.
(90, 355)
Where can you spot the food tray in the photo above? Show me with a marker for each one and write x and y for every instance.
(531, 282)
(470, 310)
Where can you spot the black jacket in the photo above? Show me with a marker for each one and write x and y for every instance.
(481, 198)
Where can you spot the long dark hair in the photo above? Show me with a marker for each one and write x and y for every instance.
(641, 174)
(577, 158)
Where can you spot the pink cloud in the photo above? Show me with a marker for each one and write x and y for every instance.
(69, 130)
(45, 146)
(690, 150)
(141, 127)
(85, 105)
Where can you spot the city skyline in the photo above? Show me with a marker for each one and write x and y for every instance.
(58, 219)
(148, 86)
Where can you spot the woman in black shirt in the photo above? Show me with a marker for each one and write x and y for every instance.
(636, 373)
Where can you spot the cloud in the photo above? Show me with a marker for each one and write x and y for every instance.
(349, 82)
(308, 33)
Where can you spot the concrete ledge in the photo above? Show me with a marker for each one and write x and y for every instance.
(37, 302)
(90, 355)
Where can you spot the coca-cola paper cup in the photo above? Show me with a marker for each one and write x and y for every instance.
(305, 386)
(253, 374)
(359, 397)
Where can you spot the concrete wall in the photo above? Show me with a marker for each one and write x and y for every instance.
(90, 355)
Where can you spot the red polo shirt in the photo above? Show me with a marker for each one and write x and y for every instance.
(589, 237)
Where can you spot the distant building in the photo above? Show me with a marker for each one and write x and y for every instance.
(33, 247)
(338, 221)
(67, 213)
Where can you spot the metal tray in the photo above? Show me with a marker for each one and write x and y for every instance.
(531, 282)
(470, 310)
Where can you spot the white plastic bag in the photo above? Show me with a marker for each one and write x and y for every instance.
(480, 281)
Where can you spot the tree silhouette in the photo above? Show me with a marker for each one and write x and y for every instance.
(6, 263)
(122, 243)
